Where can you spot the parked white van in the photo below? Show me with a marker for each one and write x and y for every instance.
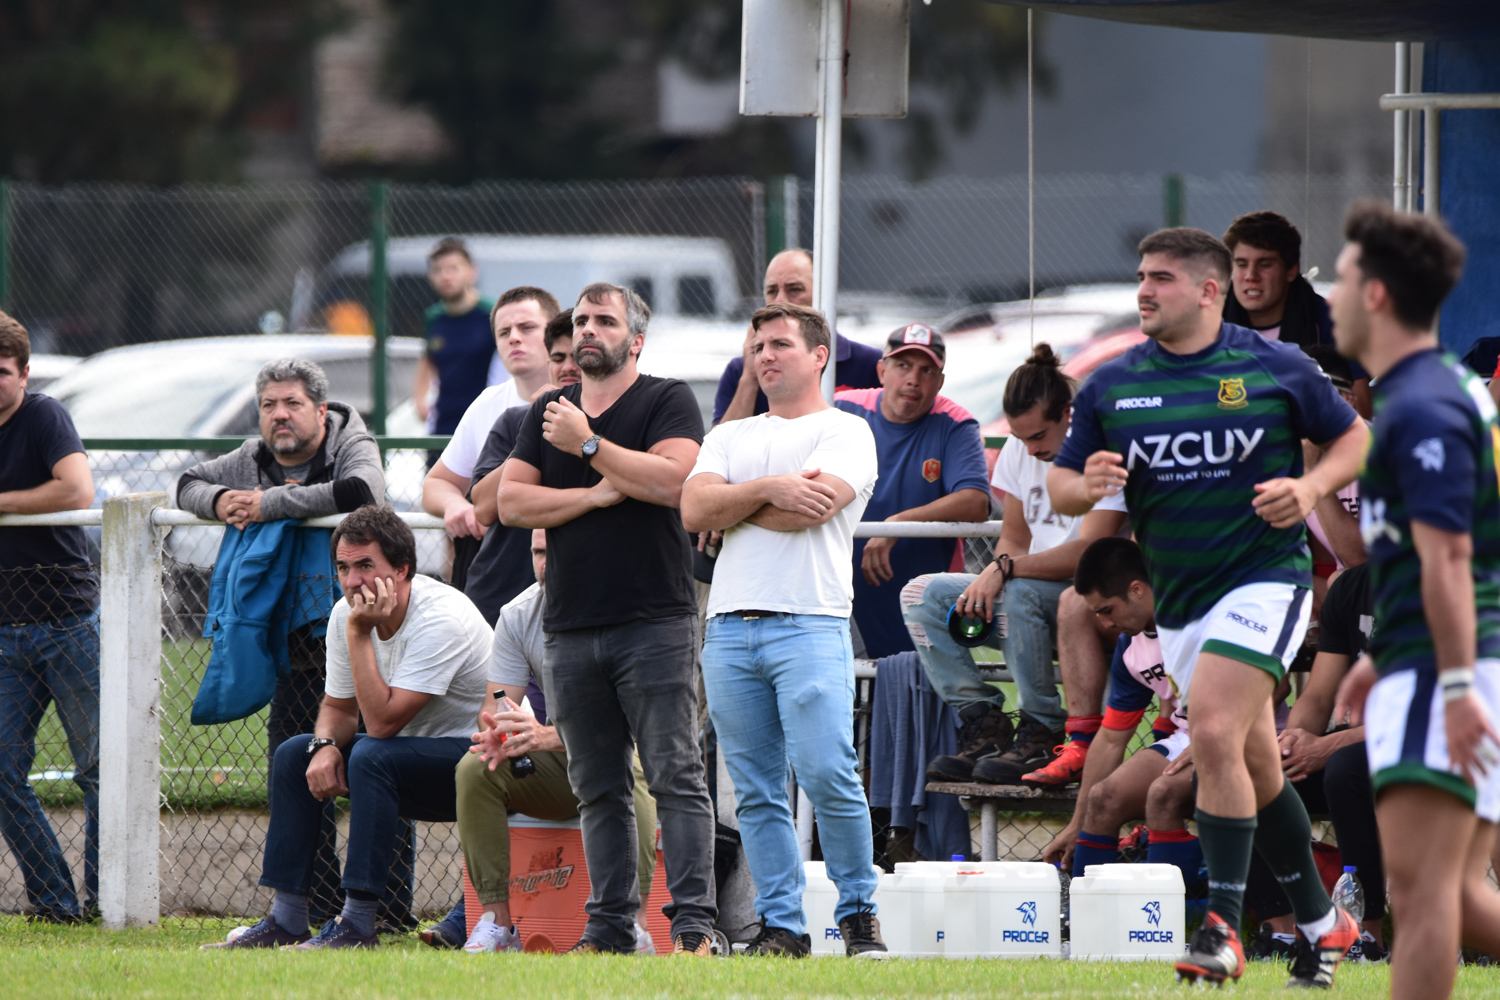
(689, 277)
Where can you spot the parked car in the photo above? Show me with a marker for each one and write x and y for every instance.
(206, 388)
(48, 368)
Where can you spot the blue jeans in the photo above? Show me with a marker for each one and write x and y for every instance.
(403, 777)
(780, 688)
(1030, 609)
(53, 662)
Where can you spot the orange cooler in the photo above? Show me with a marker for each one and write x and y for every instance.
(549, 884)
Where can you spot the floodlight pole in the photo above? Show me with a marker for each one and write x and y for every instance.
(827, 169)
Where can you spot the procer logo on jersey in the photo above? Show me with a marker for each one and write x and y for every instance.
(1138, 403)
(1152, 910)
(1027, 910)
(1193, 448)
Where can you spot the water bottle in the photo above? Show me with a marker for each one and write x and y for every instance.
(1349, 894)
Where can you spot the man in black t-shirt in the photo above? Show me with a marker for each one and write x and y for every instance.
(49, 630)
(601, 465)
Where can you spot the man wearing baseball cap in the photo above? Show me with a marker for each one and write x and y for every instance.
(931, 469)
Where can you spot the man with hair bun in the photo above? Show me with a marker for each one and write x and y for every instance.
(1200, 428)
(1034, 560)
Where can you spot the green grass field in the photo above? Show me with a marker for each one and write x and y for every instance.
(90, 962)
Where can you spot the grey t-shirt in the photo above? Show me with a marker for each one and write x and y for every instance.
(440, 649)
(516, 658)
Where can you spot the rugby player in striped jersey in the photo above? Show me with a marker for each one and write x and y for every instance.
(1430, 515)
(1202, 426)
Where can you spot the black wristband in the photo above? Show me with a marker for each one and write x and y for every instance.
(1007, 568)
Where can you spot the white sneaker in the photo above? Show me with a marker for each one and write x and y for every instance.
(644, 945)
(489, 936)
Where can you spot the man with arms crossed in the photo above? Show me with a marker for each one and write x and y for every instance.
(787, 489)
(1430, 514)
(600, 465)
(1201, 427)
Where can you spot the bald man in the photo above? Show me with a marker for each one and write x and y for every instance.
(789, 278)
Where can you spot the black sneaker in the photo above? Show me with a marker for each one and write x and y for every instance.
(1035, 747)
(266, 934)
(337, 935)
(776, 941)
(987, 729)
(861, 933)
(1267, 947)
(1367, 949)
(1214, 954)
(1312, 964)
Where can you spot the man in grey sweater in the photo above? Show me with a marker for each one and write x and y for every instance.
(314, 457)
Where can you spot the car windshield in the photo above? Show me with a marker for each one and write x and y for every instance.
(149, 393)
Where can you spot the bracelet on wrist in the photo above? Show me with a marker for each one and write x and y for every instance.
(1456, 682)
(1007, 568)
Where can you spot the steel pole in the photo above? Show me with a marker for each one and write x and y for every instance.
(1401, 187)
(379, 282)
(829, 165)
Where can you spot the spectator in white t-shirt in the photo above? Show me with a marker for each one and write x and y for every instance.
(787, 489)
(406, 654)
(1034, 560)
(519, 320)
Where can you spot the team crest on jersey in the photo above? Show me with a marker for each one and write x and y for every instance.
(932, 469)
(1232, 395)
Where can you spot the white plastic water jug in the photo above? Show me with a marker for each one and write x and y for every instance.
(819, 900)
(1002, 909)
(910, 905)
(1127, 913)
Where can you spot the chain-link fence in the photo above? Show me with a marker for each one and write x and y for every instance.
(87, 267)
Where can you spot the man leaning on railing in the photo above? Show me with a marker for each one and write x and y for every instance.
(49, 631)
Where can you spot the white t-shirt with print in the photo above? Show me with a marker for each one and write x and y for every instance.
(473, 428)
(441, 649)
(1025, 478)
(807, 572)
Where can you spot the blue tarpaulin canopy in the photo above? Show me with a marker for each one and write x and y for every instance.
(1355, 20)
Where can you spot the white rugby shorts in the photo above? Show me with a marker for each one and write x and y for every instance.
(1261, 624)
(1171, 746)
(1406, 738)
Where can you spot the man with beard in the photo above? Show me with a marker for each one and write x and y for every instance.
(600, 466)
(314, 457)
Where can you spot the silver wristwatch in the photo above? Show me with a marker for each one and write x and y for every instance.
(591, 447)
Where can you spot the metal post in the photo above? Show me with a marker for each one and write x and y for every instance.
(775, 218)
(4, 243)
(804, 825)
(379, 282)
(1432, 120)
(1173, 201)
(829, 164)
(792, 195)
(1401, 188)
(129, 713)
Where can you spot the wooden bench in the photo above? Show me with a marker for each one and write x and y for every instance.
(991, 799)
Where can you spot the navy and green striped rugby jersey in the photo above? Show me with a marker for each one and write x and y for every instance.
(1432, 459)
(1198, 431)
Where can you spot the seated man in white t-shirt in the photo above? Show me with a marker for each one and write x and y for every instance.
(787, 489)
(519, 319)
(1019, 591)
(406, 654)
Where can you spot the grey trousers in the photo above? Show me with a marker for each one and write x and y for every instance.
(612, 690)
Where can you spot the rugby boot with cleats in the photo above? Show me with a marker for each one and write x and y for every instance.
(986, 729)
(1035, 747)
(776, 941)
(1065, 769)
(1214, 954)
(1313, 962)
(1268, 946)
(861, 933)
(694, 943)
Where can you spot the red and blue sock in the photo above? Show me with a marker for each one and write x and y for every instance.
(1176, 847)
(1095, 849)
(1081, 728)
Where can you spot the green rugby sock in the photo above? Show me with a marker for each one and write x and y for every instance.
(1227, 842)
(1284, 840)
